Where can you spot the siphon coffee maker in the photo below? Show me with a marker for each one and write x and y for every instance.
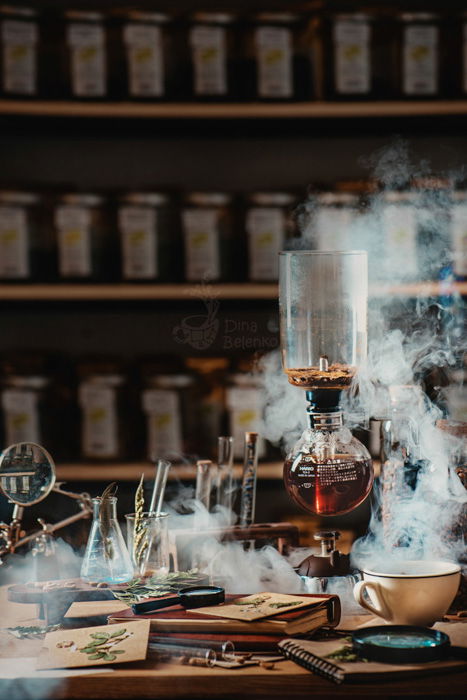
(323, 301)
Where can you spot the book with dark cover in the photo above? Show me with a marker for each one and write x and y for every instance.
(324, 610)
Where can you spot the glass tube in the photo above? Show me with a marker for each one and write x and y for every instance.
(157, 498)
(203, 482)
(225, 486)
(189, 652)
(323, 316)
(223, 649)
(250, 467)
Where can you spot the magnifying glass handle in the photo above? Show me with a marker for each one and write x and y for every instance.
(152, 605)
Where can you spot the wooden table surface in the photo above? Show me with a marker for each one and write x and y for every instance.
(155, 680)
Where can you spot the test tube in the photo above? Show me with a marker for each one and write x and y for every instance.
(157, 498)
(225, 486)
(203, 482)
(189, 652)
(224, 649)
(250, 467)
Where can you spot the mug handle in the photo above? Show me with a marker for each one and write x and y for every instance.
(359, 595)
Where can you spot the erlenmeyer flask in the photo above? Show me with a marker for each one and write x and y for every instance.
(106, 558)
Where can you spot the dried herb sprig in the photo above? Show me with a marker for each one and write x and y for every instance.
(140, 542)
(156, 586)
(104, 519)
(31, 632)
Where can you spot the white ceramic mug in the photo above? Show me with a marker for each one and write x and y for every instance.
(410, 592)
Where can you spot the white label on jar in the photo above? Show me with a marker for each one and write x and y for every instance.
(164, 423)
(139, 242)
(245, 413)
(459, 238)
(266, 233)
(21, 416)
(145, 60)
(420, 60)
(400, 234)
(274, 60)
(74, 241)
(352, 57)
(99, 420)
(20, 57)
(88, 65)
(332, 226)
(202, 257)
(14, 243)
(209, 59)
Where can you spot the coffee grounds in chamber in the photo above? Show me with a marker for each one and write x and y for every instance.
(337, 376)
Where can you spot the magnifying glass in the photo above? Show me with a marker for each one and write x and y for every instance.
(191, 597)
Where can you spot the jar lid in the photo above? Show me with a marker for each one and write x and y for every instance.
(171, 381)
(84, 15)
(18, 197)
(277, 17)
(142, 16)
(81, 200)
(214, 17)
(337, 198)
(432, 183)
(354, 17)
(418, 16)
(27, 382)
(109, 380)
(152, 199)
(271, 199)
(203, 199)
(394, 196)
(18, 11)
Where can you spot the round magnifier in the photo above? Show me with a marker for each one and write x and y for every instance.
(401, 644)
(191, 597)
(27, 473)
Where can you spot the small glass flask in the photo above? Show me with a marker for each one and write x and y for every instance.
(106, 559)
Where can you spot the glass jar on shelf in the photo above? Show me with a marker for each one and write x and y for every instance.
(459, 233)
(277, 65)
(244, 404)
(167, 401)
(211, 44)
(268, 224)
(332, 219)
(208, 232)
(23, 250)
(399, 235)
(21, 65)
(82, 238)
(354, 49)
(148, 240)
(419, 56)
(85, 55)
(143, 42)
(25, 410)
(103, 407)
(433, 201)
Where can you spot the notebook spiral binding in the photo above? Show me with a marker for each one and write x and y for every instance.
(321, 667)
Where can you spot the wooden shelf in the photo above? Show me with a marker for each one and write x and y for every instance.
(245, 110)
(126, 471)
(193, 292)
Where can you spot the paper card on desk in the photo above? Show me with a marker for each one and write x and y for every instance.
(95, 646)
(258, 606)
(95, 608)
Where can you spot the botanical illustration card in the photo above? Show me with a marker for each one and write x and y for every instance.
(258, 606)
(94, 608)
(95, 646)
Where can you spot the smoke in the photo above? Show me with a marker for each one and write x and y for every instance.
(416, 349)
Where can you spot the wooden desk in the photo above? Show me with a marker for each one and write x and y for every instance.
(160, 681)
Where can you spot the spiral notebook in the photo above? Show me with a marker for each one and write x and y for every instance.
(313, 656)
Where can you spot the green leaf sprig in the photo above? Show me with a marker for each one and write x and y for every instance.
(156, 586)
(102, 648)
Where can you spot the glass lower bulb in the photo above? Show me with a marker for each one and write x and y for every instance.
(328, 472)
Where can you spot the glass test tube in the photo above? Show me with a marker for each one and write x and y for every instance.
(225, 485)
(203, 482)
(189, 652)
(162, 471)
(223, 649)
(250, 467)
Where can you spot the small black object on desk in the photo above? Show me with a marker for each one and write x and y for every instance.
(191, 597)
